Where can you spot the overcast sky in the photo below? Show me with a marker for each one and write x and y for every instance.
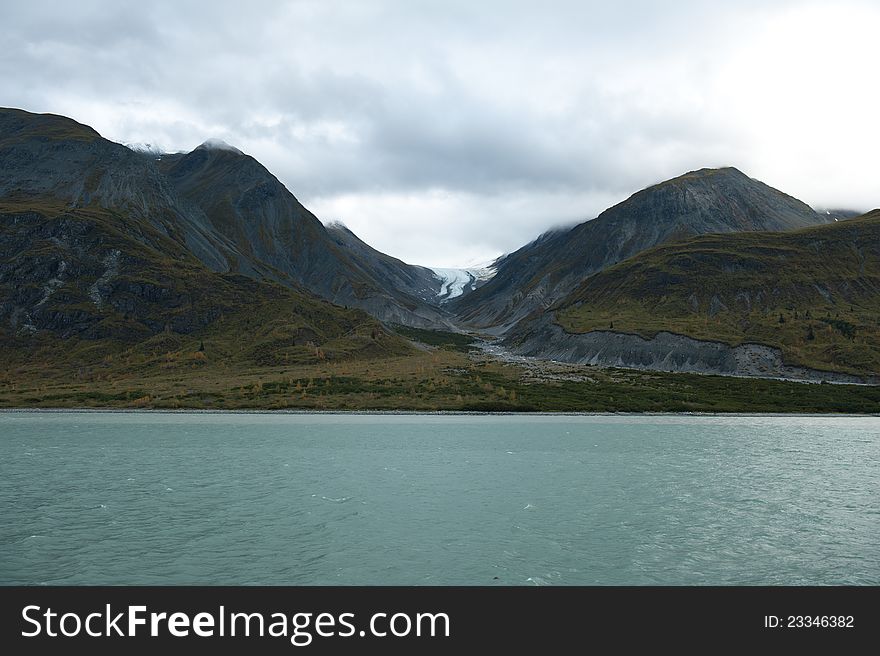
(446, 133)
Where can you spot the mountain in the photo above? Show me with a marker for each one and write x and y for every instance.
(420, 282)
(100, 251)
(86, 283)
(700, 202)
(105, 247)
(839, 214)
(272, 234)
(217, 203)
(134, 278)
(44, 156)
(759, 303)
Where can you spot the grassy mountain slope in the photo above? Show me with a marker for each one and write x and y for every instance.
(813, 293)
(78, 285)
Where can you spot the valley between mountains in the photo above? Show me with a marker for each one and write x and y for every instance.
(136, 279)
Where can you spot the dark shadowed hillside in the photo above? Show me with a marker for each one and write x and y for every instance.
(216, 203)
(814, 294)
(78, 285)
(269, 227)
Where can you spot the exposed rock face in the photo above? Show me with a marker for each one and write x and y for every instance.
(419, 283)
(700, 202)
(43, 156)
(665, 352)
(73, 274)
(272, 233)
(69, 276)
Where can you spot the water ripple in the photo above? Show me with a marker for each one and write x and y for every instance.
(163, 498)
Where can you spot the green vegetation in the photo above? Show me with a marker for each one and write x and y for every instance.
(46, 127)
(440, 338)
(813, 293)
(102, 309)
(178, 375)
(157, 300)
(171, 334)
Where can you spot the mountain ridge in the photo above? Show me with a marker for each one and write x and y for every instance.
(698, 202)
(219, 203)
(66, 193)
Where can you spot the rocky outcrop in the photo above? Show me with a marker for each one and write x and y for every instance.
(666, 351)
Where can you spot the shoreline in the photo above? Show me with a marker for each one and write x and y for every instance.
(423, 413)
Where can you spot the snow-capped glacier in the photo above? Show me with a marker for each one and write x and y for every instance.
(455, 282)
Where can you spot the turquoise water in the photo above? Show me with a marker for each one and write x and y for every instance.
(167, 498)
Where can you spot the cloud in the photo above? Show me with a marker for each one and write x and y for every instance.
(218, 144)
(441, 130)
(465, 227)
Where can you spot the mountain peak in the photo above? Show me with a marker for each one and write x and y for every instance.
(218, 144)
(708, 174)
(713, 200)
(703, 201)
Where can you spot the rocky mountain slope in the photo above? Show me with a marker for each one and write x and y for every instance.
(699, 202)
(271, 230)
(218, 204)
(82, 284)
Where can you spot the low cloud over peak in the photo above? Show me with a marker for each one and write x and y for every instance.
(219, 144)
